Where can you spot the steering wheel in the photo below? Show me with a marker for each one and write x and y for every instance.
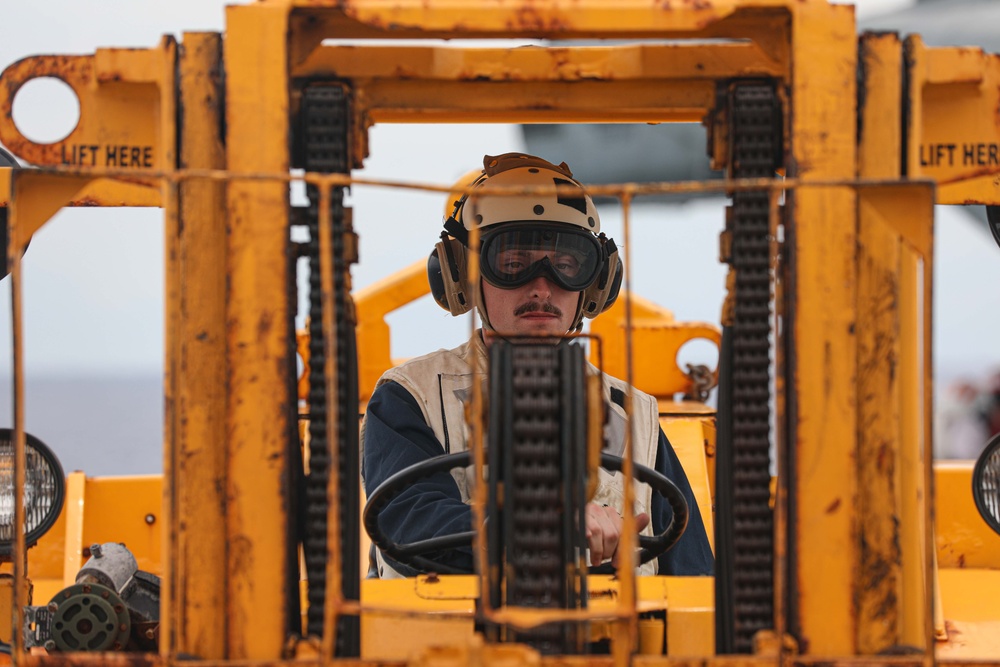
(412, 554)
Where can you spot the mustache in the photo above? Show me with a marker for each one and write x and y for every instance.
(535, 306)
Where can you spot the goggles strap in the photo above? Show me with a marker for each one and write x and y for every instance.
(608, 244)
(457, 230)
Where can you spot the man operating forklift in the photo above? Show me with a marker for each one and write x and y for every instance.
(545, 265)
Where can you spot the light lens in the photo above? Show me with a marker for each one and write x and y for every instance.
(986, 483)
(44, 489)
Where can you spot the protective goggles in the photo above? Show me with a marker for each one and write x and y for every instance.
(516, 254)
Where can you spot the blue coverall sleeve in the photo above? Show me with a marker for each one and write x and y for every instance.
(396, 437)
(692, 554)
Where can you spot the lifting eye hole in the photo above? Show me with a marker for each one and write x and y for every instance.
(46, 110)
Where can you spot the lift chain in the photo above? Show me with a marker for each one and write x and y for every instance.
(325, 117)
(756, 151)
(539, 429)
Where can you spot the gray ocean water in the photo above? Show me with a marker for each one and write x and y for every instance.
(100, 425)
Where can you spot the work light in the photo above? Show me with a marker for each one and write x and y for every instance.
(44, 489)
(986, 483)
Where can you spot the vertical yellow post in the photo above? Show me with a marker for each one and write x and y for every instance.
(257, 332)
(821, 301)
(916, 465)
(916, 70)
(19, 554)
(895, 246)
(334, 588)
(196, 367)
(879, 286)
(627, 628)
(878, 591)
(880, 138)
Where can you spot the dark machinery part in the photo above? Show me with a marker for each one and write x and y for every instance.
(986, 483)
(6, 160)
(325, 114)
(113, 606)
(538, 436)
(993, 220)
(744, 523)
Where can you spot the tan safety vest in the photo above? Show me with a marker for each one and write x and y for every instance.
(441, 383)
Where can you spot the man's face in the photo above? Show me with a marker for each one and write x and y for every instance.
(538, 307)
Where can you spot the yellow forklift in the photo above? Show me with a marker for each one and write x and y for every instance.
(835, 540)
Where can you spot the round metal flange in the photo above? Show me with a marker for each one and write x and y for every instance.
(89, 617)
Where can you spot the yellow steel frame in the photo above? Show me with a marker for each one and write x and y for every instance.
(853, 513)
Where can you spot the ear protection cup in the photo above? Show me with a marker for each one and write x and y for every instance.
(446, 275)
(602, 294)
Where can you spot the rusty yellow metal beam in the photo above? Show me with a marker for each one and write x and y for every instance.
(195, 572)
(646, 83)
(621, 62)
(914, 218)
(314, 20)
(820, 317)
(880, 117)
(257, 334)
(894, 253)
(890, 586)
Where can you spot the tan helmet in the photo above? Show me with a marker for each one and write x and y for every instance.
(558, 212)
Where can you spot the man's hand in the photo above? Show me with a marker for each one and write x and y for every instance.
(604, 530)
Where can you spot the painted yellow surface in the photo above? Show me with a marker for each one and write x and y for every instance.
(964, 540)
(420, 614)
(867, 152)
(693, 440)
(968, 599)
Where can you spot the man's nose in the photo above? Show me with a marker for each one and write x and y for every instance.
(540, 288)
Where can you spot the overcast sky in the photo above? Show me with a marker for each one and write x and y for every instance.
(93, 278)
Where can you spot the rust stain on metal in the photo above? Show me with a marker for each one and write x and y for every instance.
(81, 659)
(833, 507)
(264, 325)
(609, 593)
(529, 19)
(886, 459)
(969, 175)
(241, 556)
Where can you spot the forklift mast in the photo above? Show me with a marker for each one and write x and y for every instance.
(836, 147)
